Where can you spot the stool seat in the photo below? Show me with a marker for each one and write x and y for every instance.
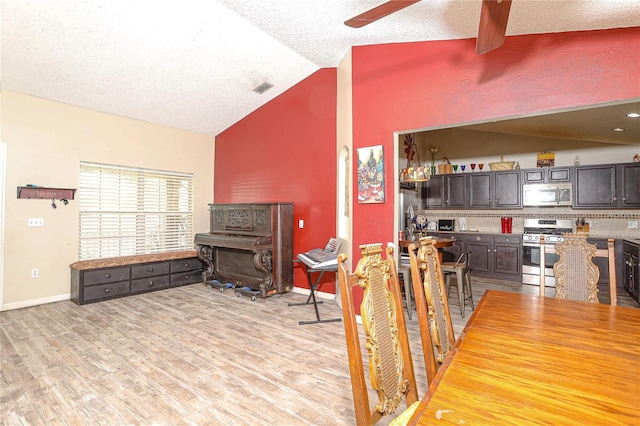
(463, 279)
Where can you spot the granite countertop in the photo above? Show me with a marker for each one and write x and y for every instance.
(130, 260)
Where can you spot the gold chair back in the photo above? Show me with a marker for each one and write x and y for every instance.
(576, 274)
(391, 372)
(436, 328)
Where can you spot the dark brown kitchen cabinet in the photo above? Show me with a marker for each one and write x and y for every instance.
(546, 175)
(607, 186)
(495, 256)
(630, 188)
(507, 191)
(502, 190)
(507, 250)
(631, 269)
(455, 191)
(480, 190)
(452, 253)
(481, 248)
(445, 191)
(433, 193)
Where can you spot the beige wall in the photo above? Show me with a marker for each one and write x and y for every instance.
(45, 143)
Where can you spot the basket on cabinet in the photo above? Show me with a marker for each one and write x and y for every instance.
(502, 165)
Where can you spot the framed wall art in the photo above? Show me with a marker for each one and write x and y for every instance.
(371, 175)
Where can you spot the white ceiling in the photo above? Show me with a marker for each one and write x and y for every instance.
(193, 64)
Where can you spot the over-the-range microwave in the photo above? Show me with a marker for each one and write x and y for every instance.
(542, 194)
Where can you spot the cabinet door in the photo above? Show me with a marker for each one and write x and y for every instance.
(480, 259)
(601, 262)
(559, 174)
(534, 175)
(630, 188)
(452, 253)
(433, 193)
(507, 189)
(595, 186)
(480, 190)
(456, 195)
(507, 255)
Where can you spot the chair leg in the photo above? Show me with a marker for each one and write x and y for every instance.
(469, 291)
(447, 282)
(459, 279)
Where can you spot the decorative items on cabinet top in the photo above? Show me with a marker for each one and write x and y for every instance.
(502, 165)
(410, 173)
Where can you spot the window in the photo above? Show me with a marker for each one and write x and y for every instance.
(127, 211)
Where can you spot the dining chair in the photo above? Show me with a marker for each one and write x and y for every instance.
(432, 306)
(391, 373)
(462, 272)
(575, 272)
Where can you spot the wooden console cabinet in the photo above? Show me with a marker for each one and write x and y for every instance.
(104, 279)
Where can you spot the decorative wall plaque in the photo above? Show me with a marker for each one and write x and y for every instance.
(37, 192)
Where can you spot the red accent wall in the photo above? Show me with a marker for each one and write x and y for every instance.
(286, 151)
(419, 85)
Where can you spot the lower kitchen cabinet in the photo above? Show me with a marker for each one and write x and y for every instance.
(495, 256)
(103, 283)
(631, 269)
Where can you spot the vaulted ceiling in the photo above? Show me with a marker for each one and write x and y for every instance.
(192, 64)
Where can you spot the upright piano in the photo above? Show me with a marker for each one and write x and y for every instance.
(249, 247)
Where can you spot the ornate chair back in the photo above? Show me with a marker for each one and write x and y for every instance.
(436, 329)
(391, 372)
(576, 274)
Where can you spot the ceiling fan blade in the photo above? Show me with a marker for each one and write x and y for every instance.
(493, 25)
(378, 12)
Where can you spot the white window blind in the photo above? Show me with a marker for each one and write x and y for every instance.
(127, 211)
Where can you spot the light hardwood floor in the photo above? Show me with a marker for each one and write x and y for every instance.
(186, 355)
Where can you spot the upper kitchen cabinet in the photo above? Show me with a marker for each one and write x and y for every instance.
(433, 193)
(607, 186)
(445, 192)
(501, 190)
(547, 175)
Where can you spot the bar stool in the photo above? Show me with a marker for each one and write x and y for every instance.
(404, 268)
(463, 279)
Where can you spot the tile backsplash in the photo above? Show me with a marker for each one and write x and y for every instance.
(604, 223)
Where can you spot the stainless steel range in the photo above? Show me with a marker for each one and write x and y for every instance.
(535, 230)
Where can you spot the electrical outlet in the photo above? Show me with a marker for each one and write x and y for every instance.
(34, 273)
(35, 221)
(632, 224)
(301, 223)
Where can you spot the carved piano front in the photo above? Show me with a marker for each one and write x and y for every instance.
(249, 247)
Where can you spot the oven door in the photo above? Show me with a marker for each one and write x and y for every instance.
(531, 265)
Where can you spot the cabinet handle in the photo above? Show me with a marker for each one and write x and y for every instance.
(186, 276)
(488, 250)
(151, 269)
(186, 264)
(107, 275)
(107, 290)
(151, 283)
(615, 199)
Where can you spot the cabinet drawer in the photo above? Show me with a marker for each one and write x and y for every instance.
(190, 264)
(102, 276)
(515, 239)
(150, 283)
(182, 278)
(149, 270)
(105, 291)
(485, 238)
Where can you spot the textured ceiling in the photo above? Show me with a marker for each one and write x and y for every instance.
(193, 64)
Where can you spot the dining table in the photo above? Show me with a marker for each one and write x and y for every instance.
(526, 359)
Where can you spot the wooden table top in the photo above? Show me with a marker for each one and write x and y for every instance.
(523, 359)
(440, 242)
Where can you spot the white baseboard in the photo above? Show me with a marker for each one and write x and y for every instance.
(35, 302)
